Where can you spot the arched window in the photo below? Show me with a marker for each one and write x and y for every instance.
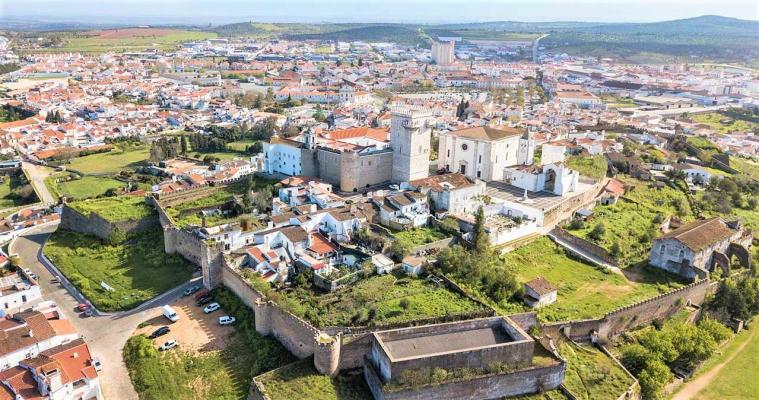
(661, 249)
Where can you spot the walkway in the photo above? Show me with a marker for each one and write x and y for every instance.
(37, 175)
(105, 334)
(591, 258)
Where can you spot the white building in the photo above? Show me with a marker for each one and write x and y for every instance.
(442, 53)
(484, 152)
(553, 178)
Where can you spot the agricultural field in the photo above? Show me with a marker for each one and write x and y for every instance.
(723, 124)
(631, 223)
(300, 380)
(592, 374)
(124, 40)
(376, 300)
(137, 269)
(584, 290)
(124, 157)
(86, 187)
(115, 209)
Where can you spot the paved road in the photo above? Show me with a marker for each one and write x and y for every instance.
(105, 335)
(38, 174)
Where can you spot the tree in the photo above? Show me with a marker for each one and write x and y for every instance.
(598, 232)
(184, 144)
(481, 241)
(653, 378)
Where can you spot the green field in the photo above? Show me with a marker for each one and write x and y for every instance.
(115, 209)
(377, 300)
(241, 145)
(738, 379)
(183, 215)
(300, 380)
(112, 162)
(419, 236)
(723, 124)
(584, 291)
(590, 166)
(91, 43)
(592, 374)
(86, 187)
(136, 269)
(631, 222)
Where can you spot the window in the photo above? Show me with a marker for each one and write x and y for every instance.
(480, 159)
(661, 249)
(449, 153)
(464, 147)
(479, 174)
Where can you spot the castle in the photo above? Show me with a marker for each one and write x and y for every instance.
(357, 158)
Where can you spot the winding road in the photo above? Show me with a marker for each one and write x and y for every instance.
(105, 334)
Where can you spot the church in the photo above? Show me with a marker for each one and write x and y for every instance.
(357, 158)
(483, 152)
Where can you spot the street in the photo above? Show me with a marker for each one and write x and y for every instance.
(37, 175)
(105, 335)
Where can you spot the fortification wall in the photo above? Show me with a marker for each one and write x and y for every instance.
(579, 330)
(96, 225)
(585, 245)
(297, 335)
(353, 350)
(435, 246)
(525, 381)
(658, 307)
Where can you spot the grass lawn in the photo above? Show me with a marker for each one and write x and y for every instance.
(420, 236)
(592, 374)
(376, 301)
(300, 380)
(115, 209)
(738, 379)
(584, 291)
(223, 156)
(593, 166)
(240, 145)
(723, 124)
(112, 162)
(86, 187)
(136, 269)
(747, 167)
(630, 223)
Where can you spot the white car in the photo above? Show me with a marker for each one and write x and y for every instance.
(227, 320)
(169, 345)
(211, 308)
(96, 363)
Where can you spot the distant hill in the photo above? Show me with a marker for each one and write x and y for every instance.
(707, 25)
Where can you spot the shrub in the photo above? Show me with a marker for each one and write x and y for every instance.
(404, 303)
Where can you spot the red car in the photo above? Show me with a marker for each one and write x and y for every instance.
(82, 307)
(201, 294)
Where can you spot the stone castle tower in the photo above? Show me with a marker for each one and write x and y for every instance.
(410, 140)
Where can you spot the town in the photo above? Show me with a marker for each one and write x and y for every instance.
(189, 213)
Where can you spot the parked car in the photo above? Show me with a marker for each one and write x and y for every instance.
(96, 363)
(55, 280)
(34, 276)
(190, 290)
(169, 313)
(204, 300)
(82, 307)
(211, 308)
(227, 320)
(88, 312)
(160, 332)
(170, 344)
(28, 271)
(202, 293)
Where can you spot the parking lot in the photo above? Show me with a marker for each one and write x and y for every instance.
(194, 330)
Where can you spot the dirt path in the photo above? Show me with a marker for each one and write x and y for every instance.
(692, 388)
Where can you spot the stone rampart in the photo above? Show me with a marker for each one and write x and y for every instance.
(525, 381)
(96, 225)
(585, 246)
(658, 307)
(434, 246)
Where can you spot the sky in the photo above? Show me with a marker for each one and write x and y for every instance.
(430, 11)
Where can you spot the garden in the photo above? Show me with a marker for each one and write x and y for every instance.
(81, 188)
(376, 300)
(15, 190)
(300, 380)
(135, 270)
